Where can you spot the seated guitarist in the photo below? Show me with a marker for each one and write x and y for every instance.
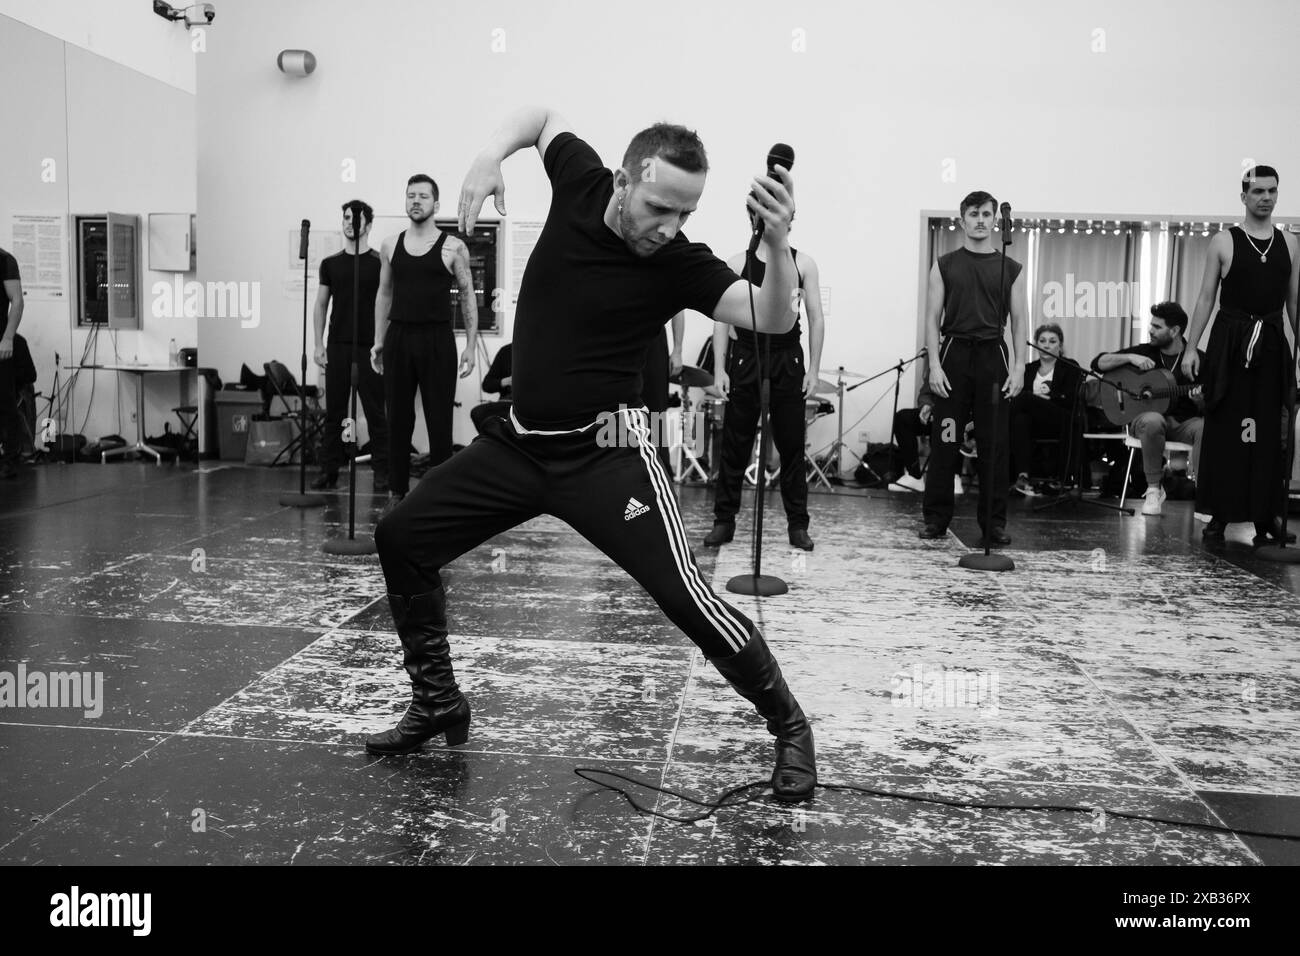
(1183, 419)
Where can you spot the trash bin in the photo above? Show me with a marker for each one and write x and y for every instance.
(235, 411)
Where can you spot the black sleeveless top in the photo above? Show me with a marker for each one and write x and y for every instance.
(971, 295)
(421, 285)
(754, 271)
(1251, 286)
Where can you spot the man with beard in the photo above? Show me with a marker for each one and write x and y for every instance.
(336, 355)
(1248, 372)
(414, 342)
(610, 268)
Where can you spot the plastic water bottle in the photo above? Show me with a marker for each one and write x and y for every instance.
(173, 355)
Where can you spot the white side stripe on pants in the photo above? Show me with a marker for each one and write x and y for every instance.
(732, 631)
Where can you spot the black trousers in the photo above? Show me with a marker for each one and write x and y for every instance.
(617, 497)
(1033, 417)
(11, 424)
(907, 431)
(740, 422)
(479, 414)
(976, 373)
(424, 357)
(338, 405)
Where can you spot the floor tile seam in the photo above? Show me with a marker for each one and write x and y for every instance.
(1162, 753)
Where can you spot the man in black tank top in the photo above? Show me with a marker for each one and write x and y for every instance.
(337, 353)
(415, 345)
(1249, 372)
(735, 361)
(974, 371)
(610, 268)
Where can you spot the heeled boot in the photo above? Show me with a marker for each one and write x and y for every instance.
(437, 705)
(756, 676)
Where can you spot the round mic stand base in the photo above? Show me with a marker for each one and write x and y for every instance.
(978, 561)
(352, 546)
(297, 499)
(759, 585)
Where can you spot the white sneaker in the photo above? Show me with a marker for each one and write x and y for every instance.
(1154, 499)
(957, 487)
(905, 480)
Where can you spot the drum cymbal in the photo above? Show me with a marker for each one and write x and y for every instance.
(835, 371)
(825, 388)
(692, 377)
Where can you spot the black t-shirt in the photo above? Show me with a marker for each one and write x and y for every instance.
(588, 307)
(1181, 408)
(336, 272)
(499, 369)
(8, 272)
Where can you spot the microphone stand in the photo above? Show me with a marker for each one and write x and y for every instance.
(352, 544)
(1074, 495)
(301, 499)
(989, 561)
(757, 583)
(1280, 552)
(893, 435)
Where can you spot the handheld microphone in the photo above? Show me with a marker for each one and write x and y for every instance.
(1006, 223)
(302, 239)
(779, 155)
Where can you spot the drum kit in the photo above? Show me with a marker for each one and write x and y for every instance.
(697, 443)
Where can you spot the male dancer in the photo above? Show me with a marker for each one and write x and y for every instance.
(1249, 372)
(414, 342)
(11, 315)
(337, 356)
(792, 384)
(973, 366)
(610, 268)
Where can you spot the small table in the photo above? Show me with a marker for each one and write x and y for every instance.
(139, 371)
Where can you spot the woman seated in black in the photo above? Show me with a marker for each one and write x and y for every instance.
(1042, 409)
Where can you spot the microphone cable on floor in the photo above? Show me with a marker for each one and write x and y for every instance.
(725, 800)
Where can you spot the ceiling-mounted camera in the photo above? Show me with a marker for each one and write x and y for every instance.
(196, 15)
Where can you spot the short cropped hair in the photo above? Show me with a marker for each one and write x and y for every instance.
(677, 145)
(424, 178)
(1172, 313)
(367, 214)
(977, 199)
(1257, 172)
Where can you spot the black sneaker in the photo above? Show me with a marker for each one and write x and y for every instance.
(723, 531)
(1214, 531)
(381, 483)
(932, 531)
(799, 539)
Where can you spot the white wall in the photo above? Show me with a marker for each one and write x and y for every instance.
(1013, 93)
(123, 142)
(124, 31)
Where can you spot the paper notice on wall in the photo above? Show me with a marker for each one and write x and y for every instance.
(523, 237)
(320, 243)
(39, 243)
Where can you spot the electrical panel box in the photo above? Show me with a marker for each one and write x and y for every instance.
(106, 252)
(171, 241)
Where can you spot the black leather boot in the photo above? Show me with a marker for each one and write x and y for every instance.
(756, 676)
(437, 705)
(723, 531)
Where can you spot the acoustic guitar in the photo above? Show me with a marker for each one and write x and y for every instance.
(1151, 391)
